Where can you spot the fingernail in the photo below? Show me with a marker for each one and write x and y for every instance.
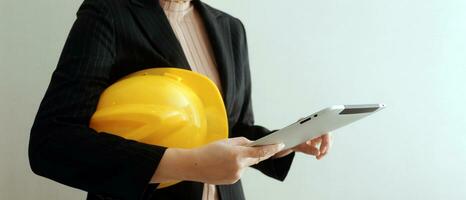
(281, 146)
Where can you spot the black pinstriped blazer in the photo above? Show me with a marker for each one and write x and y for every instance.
(110, 39)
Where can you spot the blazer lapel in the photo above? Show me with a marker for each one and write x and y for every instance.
(157, 28)
(220, 42)
(155, 23)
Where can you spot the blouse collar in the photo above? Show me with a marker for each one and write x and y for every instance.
(175, 5)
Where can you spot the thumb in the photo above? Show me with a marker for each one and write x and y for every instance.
(255, 155)
(264, 151)
(238, 141)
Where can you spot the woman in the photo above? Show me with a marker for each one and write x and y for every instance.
(113, 38)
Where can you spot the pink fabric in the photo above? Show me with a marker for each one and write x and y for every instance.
(190, 31)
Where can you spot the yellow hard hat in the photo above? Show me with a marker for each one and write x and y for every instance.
(168, 107)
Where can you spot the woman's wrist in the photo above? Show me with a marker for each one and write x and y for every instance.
(176, 165)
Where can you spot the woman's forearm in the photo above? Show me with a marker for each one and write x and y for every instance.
(220, 162)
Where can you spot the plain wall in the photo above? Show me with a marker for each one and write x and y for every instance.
(304, 55)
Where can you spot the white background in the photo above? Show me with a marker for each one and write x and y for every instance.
(304, 55)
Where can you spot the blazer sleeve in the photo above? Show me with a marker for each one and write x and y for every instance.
(62, 147)
(275, 168)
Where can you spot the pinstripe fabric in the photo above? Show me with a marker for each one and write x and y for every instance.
(110, 39)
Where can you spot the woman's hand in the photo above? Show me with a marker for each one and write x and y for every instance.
(317, 147)
(221, 162)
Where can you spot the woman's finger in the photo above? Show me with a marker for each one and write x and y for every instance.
(316, 141)
(325, 145)
(308, 149)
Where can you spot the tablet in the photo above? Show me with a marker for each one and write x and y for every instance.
(317, 124)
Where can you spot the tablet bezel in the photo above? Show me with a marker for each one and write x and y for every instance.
(347, 114)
